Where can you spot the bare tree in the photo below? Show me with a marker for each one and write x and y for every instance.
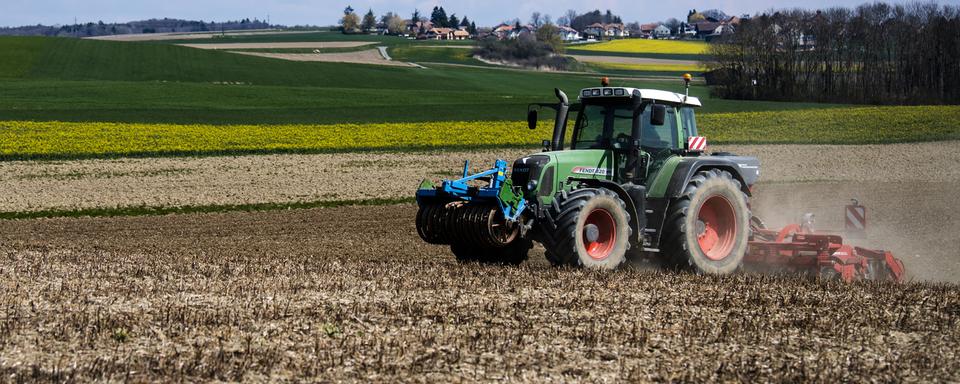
(673, 24)
(875, 53)
(570, 15)
(536, 19)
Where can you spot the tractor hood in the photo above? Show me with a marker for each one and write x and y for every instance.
(541, 174)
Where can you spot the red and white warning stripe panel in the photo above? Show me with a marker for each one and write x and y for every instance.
(856, 217)
(696, 143)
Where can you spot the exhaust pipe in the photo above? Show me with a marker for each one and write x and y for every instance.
(560, 123)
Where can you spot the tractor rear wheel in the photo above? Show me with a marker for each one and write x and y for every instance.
(707, 228)
(589, 227)
(513, 254)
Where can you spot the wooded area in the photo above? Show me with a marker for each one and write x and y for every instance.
(876, 53)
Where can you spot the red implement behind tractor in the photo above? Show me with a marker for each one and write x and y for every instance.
(798, 248)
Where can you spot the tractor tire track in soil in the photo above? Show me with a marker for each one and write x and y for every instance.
(351, 294)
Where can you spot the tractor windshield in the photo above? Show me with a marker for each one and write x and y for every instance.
(592, 125)
(601, 126)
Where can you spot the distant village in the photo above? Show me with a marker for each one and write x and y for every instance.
(438, 25)
(571, 27)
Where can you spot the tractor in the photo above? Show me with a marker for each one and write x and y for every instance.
(634, 181)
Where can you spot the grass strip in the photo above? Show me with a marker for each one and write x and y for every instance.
(161, 210)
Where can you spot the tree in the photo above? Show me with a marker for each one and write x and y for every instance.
(875, 53)
(350, 23)
(549, 34)
(673, 24)
(473, 28)
(693, 16)
(369, 21)
(581, 22)
(394, 23)
(416, 16)
(439, 17)
(536, 19)
(570, 15)
(465, 23)
(453, 21)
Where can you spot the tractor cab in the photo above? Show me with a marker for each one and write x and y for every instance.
(619, 118)
(627, 133)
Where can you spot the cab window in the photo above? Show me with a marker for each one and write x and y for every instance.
(593, 119)
(689, 121)
(660, 136)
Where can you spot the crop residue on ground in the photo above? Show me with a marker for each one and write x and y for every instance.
(350, 294)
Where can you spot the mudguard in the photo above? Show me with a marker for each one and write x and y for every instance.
(744, 169)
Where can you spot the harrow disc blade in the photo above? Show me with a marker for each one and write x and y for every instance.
(462, 223)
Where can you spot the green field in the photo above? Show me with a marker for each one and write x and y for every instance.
(45, 79)
(435, 54)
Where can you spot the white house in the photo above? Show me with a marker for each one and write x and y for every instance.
(569, 34)
(606, 30)
(661, 31)
(595, 30)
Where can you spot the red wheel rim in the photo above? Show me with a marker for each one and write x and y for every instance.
(606, 234)
(716, 227)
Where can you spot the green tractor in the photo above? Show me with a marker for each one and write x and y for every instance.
(633, 182)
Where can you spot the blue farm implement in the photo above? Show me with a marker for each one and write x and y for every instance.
(481, 217)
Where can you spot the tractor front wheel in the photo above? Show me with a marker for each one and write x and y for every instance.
(707, 228)
(588, 227)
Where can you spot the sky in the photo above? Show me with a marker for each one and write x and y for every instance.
(325, 12)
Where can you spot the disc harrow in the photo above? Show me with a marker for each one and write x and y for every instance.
(462, 223)
(797, 248)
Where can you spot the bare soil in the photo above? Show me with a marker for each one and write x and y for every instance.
(88, 184)
(371, 56)
(281, 45)
(351, 294)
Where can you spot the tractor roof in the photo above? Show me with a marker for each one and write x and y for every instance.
(627, 92)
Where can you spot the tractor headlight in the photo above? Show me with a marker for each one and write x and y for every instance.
(532, 185)
(585, 93)
(607, 92)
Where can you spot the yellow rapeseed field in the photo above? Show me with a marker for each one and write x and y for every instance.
(649, 67)
(648, 46)
(26, 140)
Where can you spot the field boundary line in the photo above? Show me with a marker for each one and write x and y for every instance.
(214, 208)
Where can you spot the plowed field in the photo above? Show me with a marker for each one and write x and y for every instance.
(352, 294)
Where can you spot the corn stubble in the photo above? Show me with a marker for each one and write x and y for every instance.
(351, 294)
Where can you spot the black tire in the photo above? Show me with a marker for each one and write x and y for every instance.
(726, 205)
(513, 254)
(830, 274)
(564, 232)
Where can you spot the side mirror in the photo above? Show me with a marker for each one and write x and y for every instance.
(532, 119)
(658, 114)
